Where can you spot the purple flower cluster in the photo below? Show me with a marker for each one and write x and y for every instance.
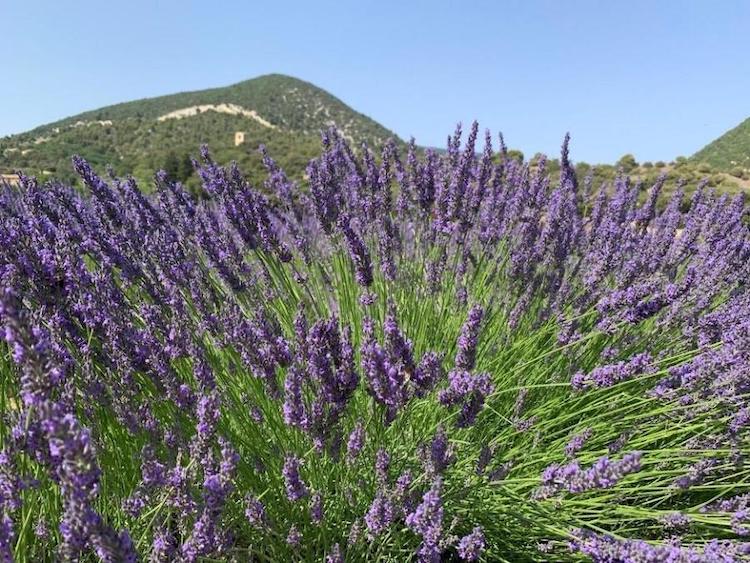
(603, 474)
(470, 547)
(577, 442)
(467, 341)
(255, 512)
(321, 381)
(604, 549)
(295, 487)
(427, 521)
(609, 375)
(356, 441)
(467, 389)
(390, 372)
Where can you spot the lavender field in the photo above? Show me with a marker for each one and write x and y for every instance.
(428, 356)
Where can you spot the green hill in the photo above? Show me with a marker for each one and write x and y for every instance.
(137, 137)
(730, 152)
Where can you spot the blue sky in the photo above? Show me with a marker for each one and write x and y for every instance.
(657, 79)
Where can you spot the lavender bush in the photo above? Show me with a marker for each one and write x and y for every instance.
(438, 356)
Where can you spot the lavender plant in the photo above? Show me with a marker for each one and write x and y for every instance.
(421, 357)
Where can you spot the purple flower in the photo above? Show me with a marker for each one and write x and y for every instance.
(382, 463)
(164, 547)
(440, 455)
(356, 441)
(470, 547)
(386, 379)
(500, 472)
(469, 391)
(604, 474)
(602, 548)
(6, 538)
(609, 375)
(316, 508)
(740, 521)
(467, 341)
(41, 530)
(399, 348)
(427, 521)
(335, 556)
(358, 252)
(577, 442)
(428, 373)
(675, 521)
(294, 408)
(380, 515)
(739, 420)
(483, 460)
(295, 488)
(294, 537)
(255, 512)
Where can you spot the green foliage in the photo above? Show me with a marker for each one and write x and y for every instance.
(627, 162)
(179, 168)
(738, 172)
(729, 151)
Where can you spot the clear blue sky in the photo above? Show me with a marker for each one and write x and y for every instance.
(655, 78)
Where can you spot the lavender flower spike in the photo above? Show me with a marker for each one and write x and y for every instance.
(295, 487)
(467, 341)
(471, 547)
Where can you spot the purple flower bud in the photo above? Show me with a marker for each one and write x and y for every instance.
(472, 546)
(316, 508)
(380, 515)
(467, 341)
(357, 252)
(335, 556)
(294, 537)
(295, 488)
(255, 512)
(577, 442)
(427, 521)
(356, 441)
(382, 463)
(440, 454)
(164, 547)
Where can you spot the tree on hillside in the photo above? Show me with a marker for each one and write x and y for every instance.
(179, 168)
(185, 168)
(628, 163)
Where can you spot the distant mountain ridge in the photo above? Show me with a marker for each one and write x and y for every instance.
(284, 101)
(136, 137)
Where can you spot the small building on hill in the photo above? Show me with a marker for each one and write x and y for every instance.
(239, 138)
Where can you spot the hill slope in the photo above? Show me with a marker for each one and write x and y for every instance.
(136, 137)
(730, 151)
